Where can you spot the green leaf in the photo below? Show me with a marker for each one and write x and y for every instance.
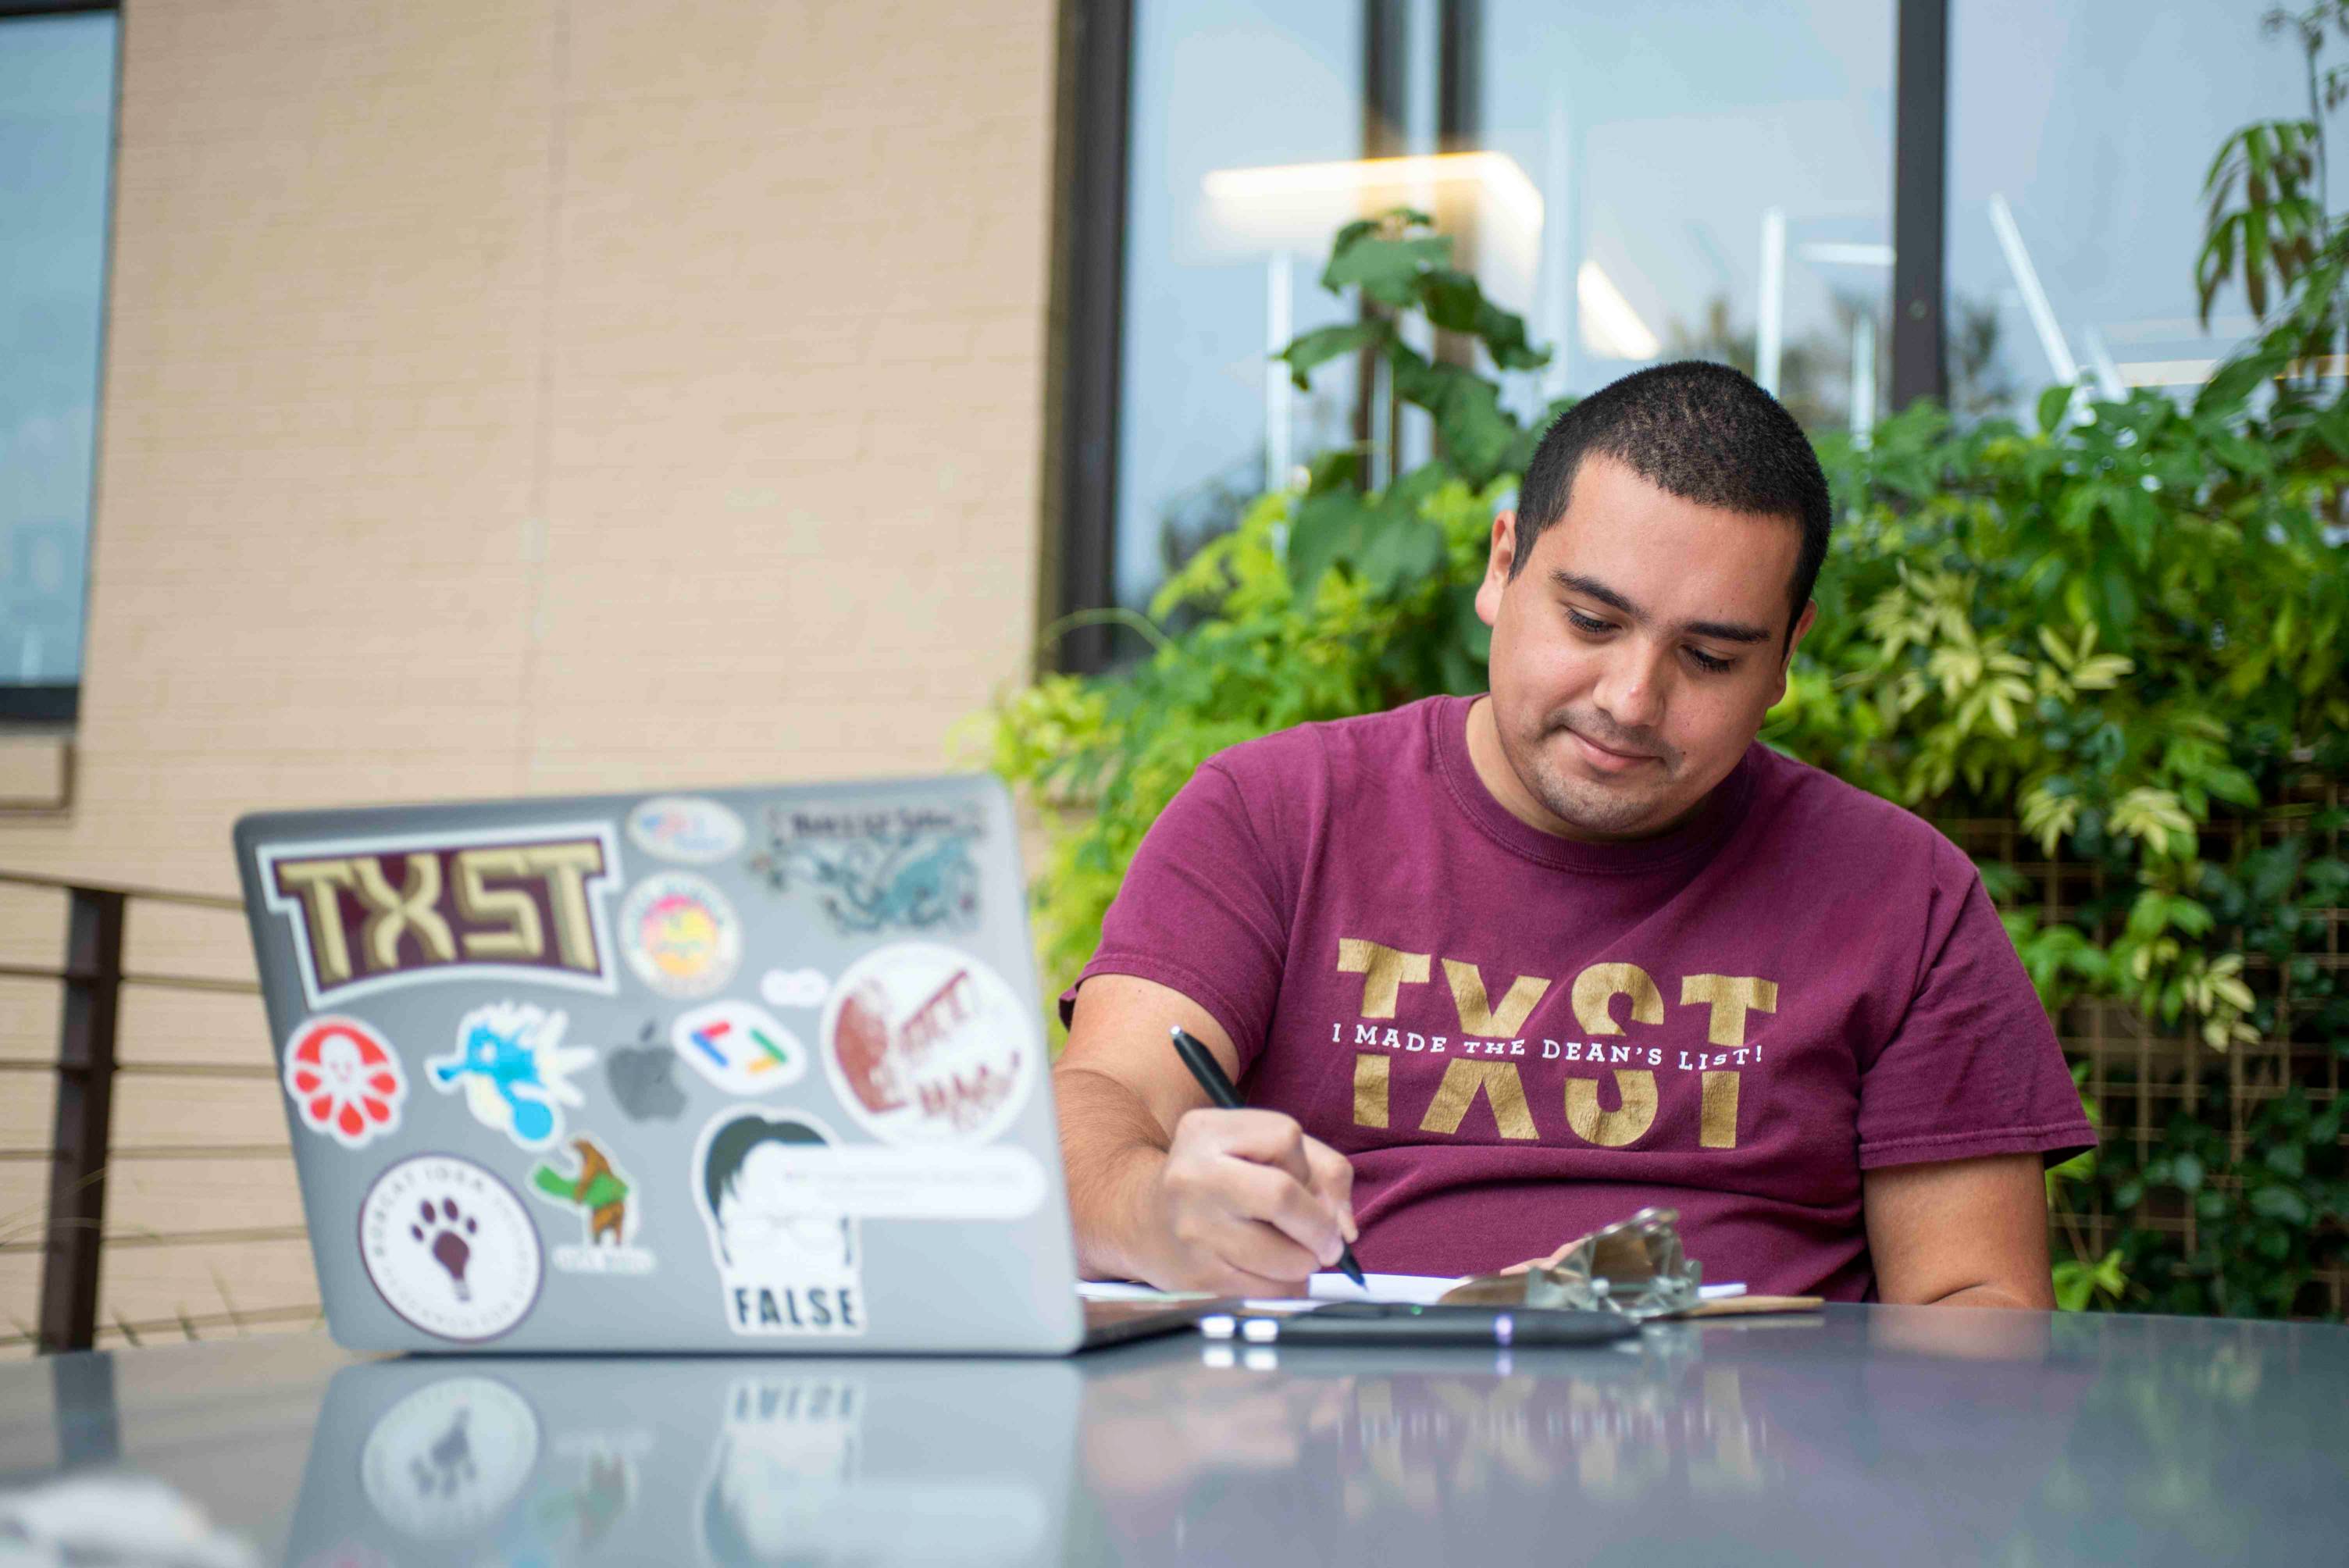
(2052, 404)
(1386, 269)
(2281, 1203)
(1324, 344)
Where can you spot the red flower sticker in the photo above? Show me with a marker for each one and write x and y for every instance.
(345, 1081)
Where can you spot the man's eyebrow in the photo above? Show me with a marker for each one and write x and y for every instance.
(1720, 631)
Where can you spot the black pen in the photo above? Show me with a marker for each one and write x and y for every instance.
(1210, 1074)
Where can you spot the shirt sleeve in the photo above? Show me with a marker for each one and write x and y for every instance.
(1974, 1067)
(1204, 910)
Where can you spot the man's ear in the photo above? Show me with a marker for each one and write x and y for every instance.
(1802, 629)
(1496, 568)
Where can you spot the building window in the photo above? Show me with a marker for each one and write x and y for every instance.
(1712, 180)
(2079, 135)
(56, 148)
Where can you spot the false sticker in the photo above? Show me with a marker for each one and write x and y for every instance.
(790, 1262)
(925, 1044)
(345, 1081)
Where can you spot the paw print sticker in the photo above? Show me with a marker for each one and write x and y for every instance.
(450, 1249)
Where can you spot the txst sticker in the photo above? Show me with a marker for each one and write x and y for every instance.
(368, 914)
(448, 1248)
(686, 828)
(681, 937)
(515, 1070)
(345, 1081)
(925, 1044)
(875, 868)
(605, 1199)
(739, 1047)
(447, 1460)
(789, 1260)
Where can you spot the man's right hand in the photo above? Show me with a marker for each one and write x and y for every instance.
(1249, 1204)
(1166, 1188)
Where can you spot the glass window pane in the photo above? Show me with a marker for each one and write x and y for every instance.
(1219, 273)
(56, 130)
(2079, 135)
(1715, 179)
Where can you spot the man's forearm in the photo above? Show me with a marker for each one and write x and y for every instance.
(1989, 1295)
(1112, 1148)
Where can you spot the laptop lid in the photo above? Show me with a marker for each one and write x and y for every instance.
(757, 1069)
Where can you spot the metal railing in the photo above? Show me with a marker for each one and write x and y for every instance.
(86, 1065)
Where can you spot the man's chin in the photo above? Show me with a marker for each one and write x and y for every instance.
(1601, 808)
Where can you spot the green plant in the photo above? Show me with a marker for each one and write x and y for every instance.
(2126, 630)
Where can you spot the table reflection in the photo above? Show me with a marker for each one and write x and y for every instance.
(1897, 1433)
(721, 1461)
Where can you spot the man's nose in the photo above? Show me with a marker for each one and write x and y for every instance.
(1631, 689)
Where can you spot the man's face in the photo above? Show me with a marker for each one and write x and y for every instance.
(1635, 654)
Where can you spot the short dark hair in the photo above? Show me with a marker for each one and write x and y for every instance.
(731, 1149)
(1701, 431)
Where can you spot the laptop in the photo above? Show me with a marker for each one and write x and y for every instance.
(759, 1070)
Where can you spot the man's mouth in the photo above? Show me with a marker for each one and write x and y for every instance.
(1606, 759)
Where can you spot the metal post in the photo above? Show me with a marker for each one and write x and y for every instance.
(93, 993)
(1097, 41)
(1920, 180)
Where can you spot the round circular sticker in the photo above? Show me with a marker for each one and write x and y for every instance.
(927, 1045)
(680, 934)
(446, 1460)
(448, 1248)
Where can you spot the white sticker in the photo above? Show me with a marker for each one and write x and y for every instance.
(795, 988)
(448, 1248)
(445, 1461)
(681, 936)
(739, 1047)
(345, 1081)
(789, 1259)
(589, 1184)
(925, 1044)
(514, 1069)
(686, 828)
(875, 1182)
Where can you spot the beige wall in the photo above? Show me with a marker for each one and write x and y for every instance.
(528, 397)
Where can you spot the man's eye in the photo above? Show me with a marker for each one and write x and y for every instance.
(1708, 663)
(1583, 622)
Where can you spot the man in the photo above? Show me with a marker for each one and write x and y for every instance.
(1493, 973)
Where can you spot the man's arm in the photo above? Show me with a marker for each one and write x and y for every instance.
(1163, 1187)
(1961, 1233)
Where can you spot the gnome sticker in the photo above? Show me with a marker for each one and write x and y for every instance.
(605, 1199)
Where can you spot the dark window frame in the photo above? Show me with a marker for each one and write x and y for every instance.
(1088, 292)
(58, 705)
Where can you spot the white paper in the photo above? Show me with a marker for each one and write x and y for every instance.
(1125, 1290)
(1718, 1292)
(1420, 1289)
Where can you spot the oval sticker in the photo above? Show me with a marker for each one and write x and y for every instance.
(686, 828)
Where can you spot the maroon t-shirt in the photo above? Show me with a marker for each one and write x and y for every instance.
(1516, 1038)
